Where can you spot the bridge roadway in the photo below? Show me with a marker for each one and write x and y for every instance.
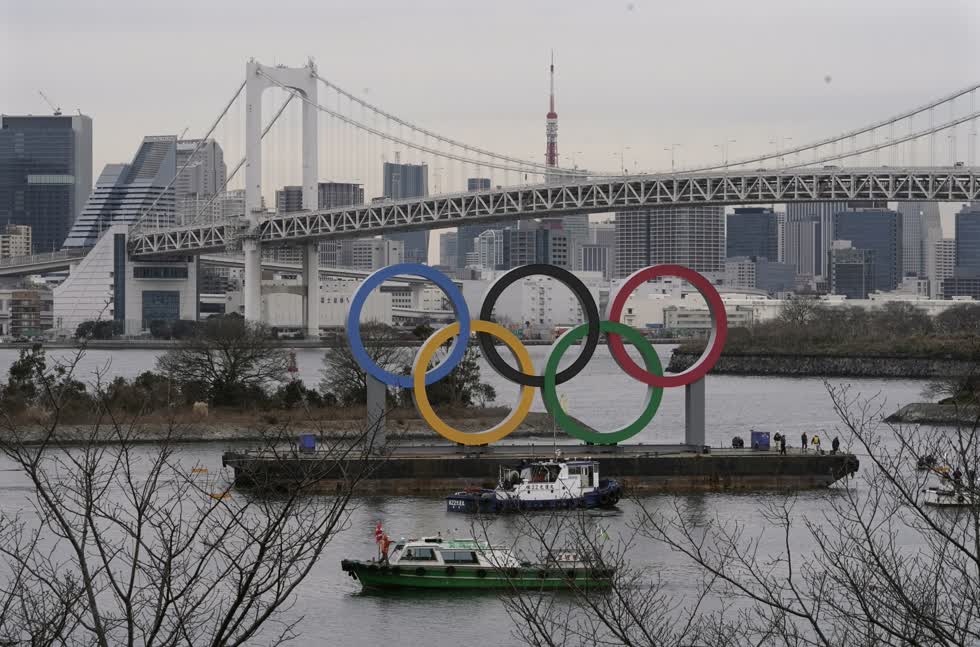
(762, 186)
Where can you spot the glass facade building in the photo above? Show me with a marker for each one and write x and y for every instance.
(408, 181)
(45, 174)
(968, 242)
(125, 192)
(878, 231)
(752, 231)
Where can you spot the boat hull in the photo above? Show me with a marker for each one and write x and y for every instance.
(487, 501)
(373, 575)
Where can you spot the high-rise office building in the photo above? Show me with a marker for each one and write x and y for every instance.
(944, 264)
(339, 194)
(338, 253)
(45, 174)
(289, 199)
(921, 227)
(752, 231)
(408, 181)
(203, 176)
(489, 249)
(803, 245)
(822, 213)
(371, 254)
(595, 258)
(689, 236)
(125, 192)
(968, 242)
(522, 246)
(468, 233)
(852, 271)
(448, 248)
(878, 231)
(759, 273)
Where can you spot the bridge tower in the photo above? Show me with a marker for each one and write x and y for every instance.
(302, 80)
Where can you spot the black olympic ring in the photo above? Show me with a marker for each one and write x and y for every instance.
(585, 300)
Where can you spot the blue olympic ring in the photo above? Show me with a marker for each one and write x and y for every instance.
(444, 283)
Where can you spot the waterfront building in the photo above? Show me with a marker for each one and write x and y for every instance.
(45, 174)
(962, 286)
(408, 181)
(125, 192)
(852, 271)
(689, 236)
(807, 245)
(15, 240)
(108, 285)
(878, 231)
(921, 227)
(752, 232)
(203, 176)
(25, 312)
(282, 305)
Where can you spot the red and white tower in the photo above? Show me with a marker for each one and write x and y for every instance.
(551, 128)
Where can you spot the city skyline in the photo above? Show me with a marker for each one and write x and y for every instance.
(599, 117)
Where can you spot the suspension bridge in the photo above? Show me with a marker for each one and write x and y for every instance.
(914, 155)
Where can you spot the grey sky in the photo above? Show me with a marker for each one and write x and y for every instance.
(641, 74)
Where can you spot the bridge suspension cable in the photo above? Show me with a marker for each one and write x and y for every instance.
(544, 168)
(420, 147)
(200, 143)
(241, 162)
(888, 144)
(870, 128)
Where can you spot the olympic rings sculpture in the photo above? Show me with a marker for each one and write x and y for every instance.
(651, 374)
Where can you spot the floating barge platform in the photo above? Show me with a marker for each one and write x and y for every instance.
(448, 468)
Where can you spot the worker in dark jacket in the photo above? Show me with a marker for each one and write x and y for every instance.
(835, 445)
(803, 438)
(782, 443)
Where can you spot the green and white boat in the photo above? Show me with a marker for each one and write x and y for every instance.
(453, 564)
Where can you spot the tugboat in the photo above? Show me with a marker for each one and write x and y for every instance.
(540, 485)
(451, 564)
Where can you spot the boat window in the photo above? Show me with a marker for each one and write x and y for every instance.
(459, 557)
(418, 555)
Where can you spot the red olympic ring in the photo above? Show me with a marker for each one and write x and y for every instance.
(719, 327)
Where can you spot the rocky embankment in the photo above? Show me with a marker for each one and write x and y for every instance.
(828, 365)
(929, 413)
(203, 430)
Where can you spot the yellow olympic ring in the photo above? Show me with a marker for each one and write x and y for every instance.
(508, 424)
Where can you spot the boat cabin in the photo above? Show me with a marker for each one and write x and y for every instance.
(561, 476)
(435, 551)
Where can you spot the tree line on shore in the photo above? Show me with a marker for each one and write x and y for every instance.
(229, 364)
(805, 326)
